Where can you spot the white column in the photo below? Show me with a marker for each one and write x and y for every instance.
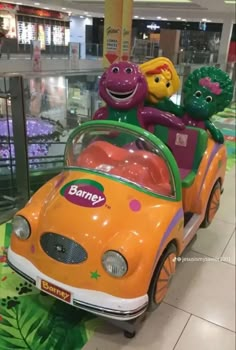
(225, 42)
(78, 33)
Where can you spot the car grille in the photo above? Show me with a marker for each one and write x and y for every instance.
(62, 249)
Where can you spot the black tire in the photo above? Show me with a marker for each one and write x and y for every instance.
(129, 335)
(171, 249)
(207, 220)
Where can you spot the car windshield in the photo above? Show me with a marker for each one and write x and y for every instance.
(121, 154)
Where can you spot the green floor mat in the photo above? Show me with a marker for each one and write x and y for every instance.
(226, 122)
(29, 320)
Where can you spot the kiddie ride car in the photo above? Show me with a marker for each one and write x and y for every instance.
(104, 235)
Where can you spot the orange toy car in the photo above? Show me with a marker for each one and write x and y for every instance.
(105, 233)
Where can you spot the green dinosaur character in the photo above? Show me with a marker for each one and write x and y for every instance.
(207, 91)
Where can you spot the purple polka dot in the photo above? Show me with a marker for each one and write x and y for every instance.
(32, 249)
(135, 205)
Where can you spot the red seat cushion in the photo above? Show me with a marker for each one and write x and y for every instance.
(141, 167)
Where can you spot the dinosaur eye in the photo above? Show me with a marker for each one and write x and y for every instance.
(157, 79)
(198, 93)
(168, 84)
(208, 99)
(115, 69)
(129, 70)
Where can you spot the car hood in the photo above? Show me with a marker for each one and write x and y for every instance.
(90, 207)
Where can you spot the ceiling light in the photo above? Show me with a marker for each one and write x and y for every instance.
(159, 17)
(136, 16)
(63, 8)
(204, 20)
(164, 19)
(37, 3)
(184, 20)
(178, 18)
(142, 17)
(18, 3)
(230, 2)
(46, 8)
(81, 16)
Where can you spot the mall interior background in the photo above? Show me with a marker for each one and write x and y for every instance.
(59, 101)
(48, 105)
(198, 41)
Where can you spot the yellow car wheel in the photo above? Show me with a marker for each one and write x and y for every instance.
(213, 205)
(162, 277)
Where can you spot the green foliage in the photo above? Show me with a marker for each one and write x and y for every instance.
(28, 325)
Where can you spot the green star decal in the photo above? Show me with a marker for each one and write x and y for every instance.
(95, 275)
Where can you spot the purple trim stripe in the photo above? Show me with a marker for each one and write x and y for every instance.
(179, 215)
(213, 153)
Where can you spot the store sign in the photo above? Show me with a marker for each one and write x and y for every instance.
(112, 33)
(126, 32)
(111, 30)
(117, 35)
(127, 16)
(8, 7)
(153, 26)
(32, 11)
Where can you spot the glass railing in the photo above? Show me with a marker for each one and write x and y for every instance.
(8, 185)
(141, 51)
(37, 114)
(86, 51)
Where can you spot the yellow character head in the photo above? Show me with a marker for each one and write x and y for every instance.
(162, 78)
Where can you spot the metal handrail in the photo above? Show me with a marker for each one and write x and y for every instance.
(5, 95)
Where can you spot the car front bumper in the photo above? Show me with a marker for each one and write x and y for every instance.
(96, 302)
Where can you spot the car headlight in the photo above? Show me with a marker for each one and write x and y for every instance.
(21, 227)
(114, 263)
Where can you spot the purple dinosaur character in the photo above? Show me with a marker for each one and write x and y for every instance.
(124, 89)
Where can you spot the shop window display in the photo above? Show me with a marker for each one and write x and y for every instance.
(199, 45)
(24, 24)
(27, 32)
(8, 23)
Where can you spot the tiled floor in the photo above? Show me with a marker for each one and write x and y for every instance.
(199, 311)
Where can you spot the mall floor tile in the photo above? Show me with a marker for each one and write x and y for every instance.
(200, 334)
(212, 241)
(205, 288)
(160, 331)
(230, 250)
(199, 310)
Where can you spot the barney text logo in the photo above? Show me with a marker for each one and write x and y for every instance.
(85, 193)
